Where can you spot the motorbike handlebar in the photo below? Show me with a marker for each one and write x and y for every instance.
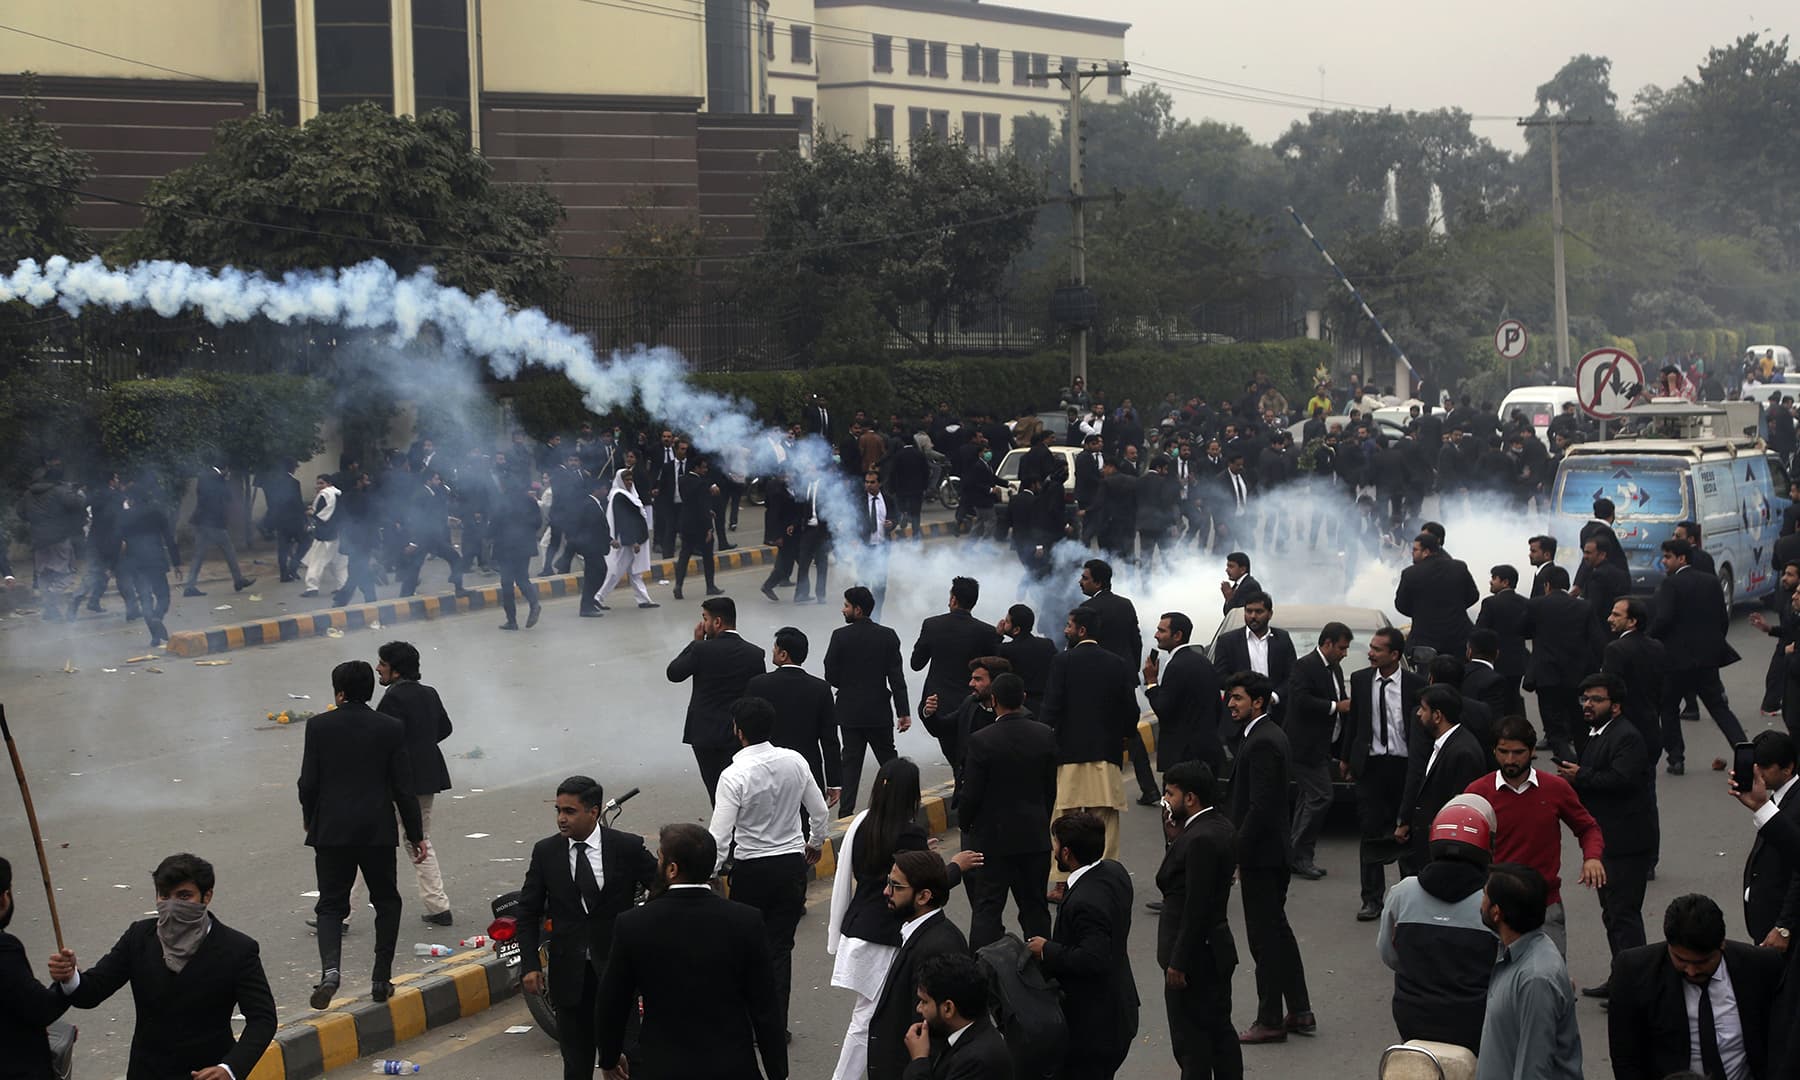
(615, 803)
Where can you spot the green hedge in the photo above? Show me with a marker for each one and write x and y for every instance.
(249, 422)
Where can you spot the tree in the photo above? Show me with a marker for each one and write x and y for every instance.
(655, 272)
(39, 177)
(354, 184)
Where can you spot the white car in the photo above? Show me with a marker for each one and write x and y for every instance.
(1008, 472)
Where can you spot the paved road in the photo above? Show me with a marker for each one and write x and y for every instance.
(128, 765)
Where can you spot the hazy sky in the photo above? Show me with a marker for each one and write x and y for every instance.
(1487, 59)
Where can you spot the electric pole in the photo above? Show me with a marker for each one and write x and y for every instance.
(1556, 124)
(1074, 79)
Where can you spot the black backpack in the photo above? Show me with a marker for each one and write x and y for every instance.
(1027, 1009)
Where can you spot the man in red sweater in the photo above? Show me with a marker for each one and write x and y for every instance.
(1529, 806)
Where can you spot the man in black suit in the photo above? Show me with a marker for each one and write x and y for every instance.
(1238, 584)
(721, 664)
(1639, 661)
(1376, 754)
(353, 781)
(1009, 788)
(286, 517)
(1453, 758)
(1258, 806)
(1257, 646)
(1091, 704)
(1437, 591)
(1565, 643)
(1691, 620)
(1504, 613)
(1029, 654)
(954, 1039)
(1119, 634)
(591, 538)
(426, 723)
(916, 889)
(1482, 680)
(1693, 981)
(1194, 946)
(1605, 580)
(695, 522)
(1616, 782)
(1090, 468)
(1318, 704)
(1185, 696)
(27, 1007)
(805, 715)
(1771, 887)
(666, 494)
(1477, 716)
(1086, 951)
(188, 974)
(581, 879)
(948, 642)
(863, 664)
(698, 966)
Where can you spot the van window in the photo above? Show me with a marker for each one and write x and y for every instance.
(1538, 412)
(1639, 492)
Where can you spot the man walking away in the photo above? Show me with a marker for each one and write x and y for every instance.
(756, 826)
(352, 784)
(947, 642)
(805, 716)
(1530, 1028)
(1194, 947)
(212, 496)
(696, 525)
(1565, 640)
(721, 664)
(517, 521)
(1089, 702)
(55, 516)
(1437, 591)
(1318, 703)
(863, 664)
(322, 554)
(1009, 789)
(1030, 654)
(421, 712)
(286, 517)
(1691, 620)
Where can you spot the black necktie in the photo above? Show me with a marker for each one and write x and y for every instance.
(584, 879)
(1710, 1061)
(1381, 746)
(870, 524)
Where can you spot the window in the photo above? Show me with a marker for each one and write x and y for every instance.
(971, 130)
(990, 134)
(1070, 63)
(884, 124)
(281, 61)
(440, 56)
(1115, 78)
(1021, 68)
(990, 65)
(768, 41)
(940, 123)
(884, 53)
(915, 56)
(1040, 65)
(771, 105)
(800, 37)
(971, 63)
(356, 55)
(803, 110)
(915, 124)
(940, 60)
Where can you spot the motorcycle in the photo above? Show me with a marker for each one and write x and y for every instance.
(504, 932)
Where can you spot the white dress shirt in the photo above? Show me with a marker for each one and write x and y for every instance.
(1500, 781)
(1392, 741)
(908, 927)
(591, 848)
(1075, 875)
(1728, 1030)
(760, 796)
(1258, 648)
(1238, 490)
(1438, 744)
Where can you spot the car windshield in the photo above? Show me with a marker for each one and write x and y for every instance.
(1639, 492)
(1538, 412)
(1009, 465)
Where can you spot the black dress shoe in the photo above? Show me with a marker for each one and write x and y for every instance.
(532, 618)
(1154, 907)
(1604, 990)
(678, 594)
(1677, 768)
(381, 990)
(1368, 913)
(323, 993)
(438, 918)
(593, 614)
(770, 593)
(191, 591)
(649, 604)
(1309, 872)
(240, 586)
(509, 625)
(714, 591)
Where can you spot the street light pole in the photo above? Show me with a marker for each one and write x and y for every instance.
(1556, 124)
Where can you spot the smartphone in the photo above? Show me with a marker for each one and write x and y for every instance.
(1743, 762)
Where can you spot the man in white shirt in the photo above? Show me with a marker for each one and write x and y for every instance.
(324, 554)
(756, 824)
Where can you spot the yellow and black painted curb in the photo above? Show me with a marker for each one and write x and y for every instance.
(355, 1028)
(219, 639)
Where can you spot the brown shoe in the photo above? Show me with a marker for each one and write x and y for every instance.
(1259, 1033)
(1301, 1023)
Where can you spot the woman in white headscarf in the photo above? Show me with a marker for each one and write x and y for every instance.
(630, 527)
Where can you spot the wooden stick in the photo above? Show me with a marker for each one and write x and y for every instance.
(37, 836)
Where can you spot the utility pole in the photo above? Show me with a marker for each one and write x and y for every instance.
(1074, 79)
(1556, 124)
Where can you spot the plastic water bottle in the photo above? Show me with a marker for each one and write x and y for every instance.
(422, 949)
(393, 1067)
(479, 941)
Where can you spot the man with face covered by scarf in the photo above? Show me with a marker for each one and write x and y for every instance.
(188, 974)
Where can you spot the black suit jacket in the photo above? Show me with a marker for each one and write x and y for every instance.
(1087, 954)
(578, 936)
(184, 1021)
(421, 712)
(1691, 620)
(1245, 586)
(1091, 704)
(1504, 613)
(979, 1053)
(721, 668)
(1771, 887)
(1640, 660)
(863, 663)
(898, 1001)
(701, 965)
(1617, 785)
(592, 538)
(1359, 733)
(353, 777)
(1232, 654)
(1646, 1018)
(1565, 640)
(1311, 709)
(1188, 711)
(1604, 584)
(1030, 656)
(27, 1007)
(1258, 802)
(1486, 685)
(1118, 632)
(1009, 786)
(805, 719)
(1461, 762)
(1438, 593)
(1193, 934)
(948, 642)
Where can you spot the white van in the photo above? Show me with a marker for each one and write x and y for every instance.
(1781, 358)
(1540, 404)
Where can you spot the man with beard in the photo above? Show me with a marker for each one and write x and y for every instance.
(427, 723)
(1194, 946)
(1009, 788)
(947, 643)
(1785, 631)
(582, 878)
(1432, 934)
(27, 1007)
(1185, 697)
(916, 890)
(1530, 808)
(1530, 1028)
(188, 973)
(953, 1023)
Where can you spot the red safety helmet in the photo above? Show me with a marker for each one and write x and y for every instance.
(1466, 819)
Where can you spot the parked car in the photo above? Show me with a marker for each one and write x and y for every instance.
(1008, 472)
